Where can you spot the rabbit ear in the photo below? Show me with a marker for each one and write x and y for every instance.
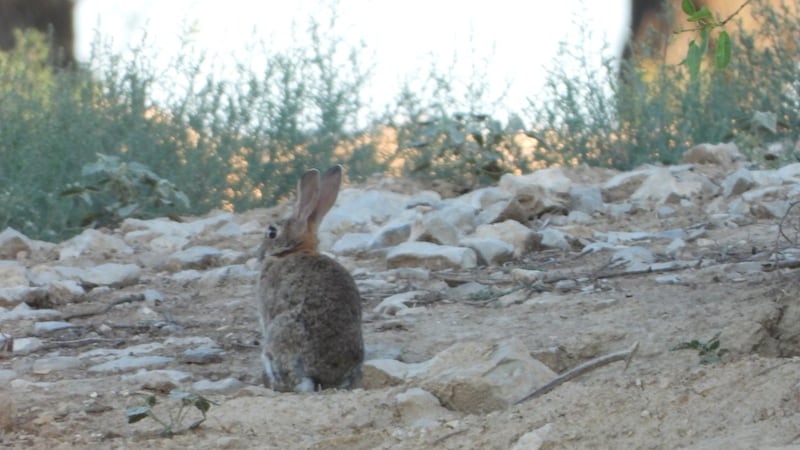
(307, 197)
(328, 191)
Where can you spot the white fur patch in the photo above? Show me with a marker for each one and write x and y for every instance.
(268, 369)
(306, 385)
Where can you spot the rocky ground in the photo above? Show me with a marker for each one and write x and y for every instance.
(470, 303)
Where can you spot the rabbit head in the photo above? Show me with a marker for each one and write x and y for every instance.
(316, 194)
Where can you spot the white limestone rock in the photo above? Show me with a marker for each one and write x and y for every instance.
(469, 377)
(445, 225)
(393, 304)
(586, 199)
(725, 154)
(197, 257)
(14, 243)
(489, 251)
(664, 187)
(552, 178)
(352, 244)
(14, 296)
(523, 239)
(13, 274)
(431, 256)
(390, 235)
(110, 274)
(737, 183)
(359, 211)
(419, 408)
(93, 244)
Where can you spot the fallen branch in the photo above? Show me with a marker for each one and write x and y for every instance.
(772, 266)
(80, 343)
(588, 366)
(6, 344)
(448, 436)
(623, 273)
(554, 276)
(784, 220)
(126, 299)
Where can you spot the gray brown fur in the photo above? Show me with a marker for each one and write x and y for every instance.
(309, 306)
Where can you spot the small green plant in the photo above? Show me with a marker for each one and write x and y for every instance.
(487, 294)
(705, 23)
(173, 423)
(447, 128)
(709, 351)
(474, 146)
(117, 190)
(658, 110)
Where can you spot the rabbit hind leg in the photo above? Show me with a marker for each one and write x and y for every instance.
(268, 375)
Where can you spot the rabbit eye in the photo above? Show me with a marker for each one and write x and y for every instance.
(272, 232)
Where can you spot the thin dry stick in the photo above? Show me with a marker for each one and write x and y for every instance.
(588, 366)
(719, 24)
(561, 275)
(126, 299)
(80, 343)
(6, 343)
(783, 220)
(645, 271)
(448, 436)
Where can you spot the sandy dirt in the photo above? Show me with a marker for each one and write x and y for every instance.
(665, 399)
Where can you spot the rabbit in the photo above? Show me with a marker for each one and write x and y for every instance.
(309, 307)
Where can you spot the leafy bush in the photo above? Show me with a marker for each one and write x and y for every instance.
(45, 119)
(119, 190)
(445, 128)
(708, 351)
(176, 411)
(236, 144)
(654, 112)
(224, 144)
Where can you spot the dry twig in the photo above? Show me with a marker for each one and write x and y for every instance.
(80, 343)
(125, 299)
(588, 366)
(448, 436)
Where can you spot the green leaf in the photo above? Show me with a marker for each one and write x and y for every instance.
(137, 413)
(457, 136)
(710, 358)
(765, 119)
(694, 59)
(74, 190)
(688, 7)
(88, 219)
(92, 168)
(722, 55)
(181, 197)
(202, 403)
(189, 398)
(127, 210)
(86, 197)
(196, 424)
(693, 345)
(180, 394)
(702, 14)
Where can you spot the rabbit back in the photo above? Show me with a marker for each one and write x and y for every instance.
(310, 313)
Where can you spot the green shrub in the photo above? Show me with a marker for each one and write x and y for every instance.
(114, 190)
(224, 144)
(447, 129)
(654, 114)
(236, 144)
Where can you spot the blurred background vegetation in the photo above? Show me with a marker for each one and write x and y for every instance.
(88, 146)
